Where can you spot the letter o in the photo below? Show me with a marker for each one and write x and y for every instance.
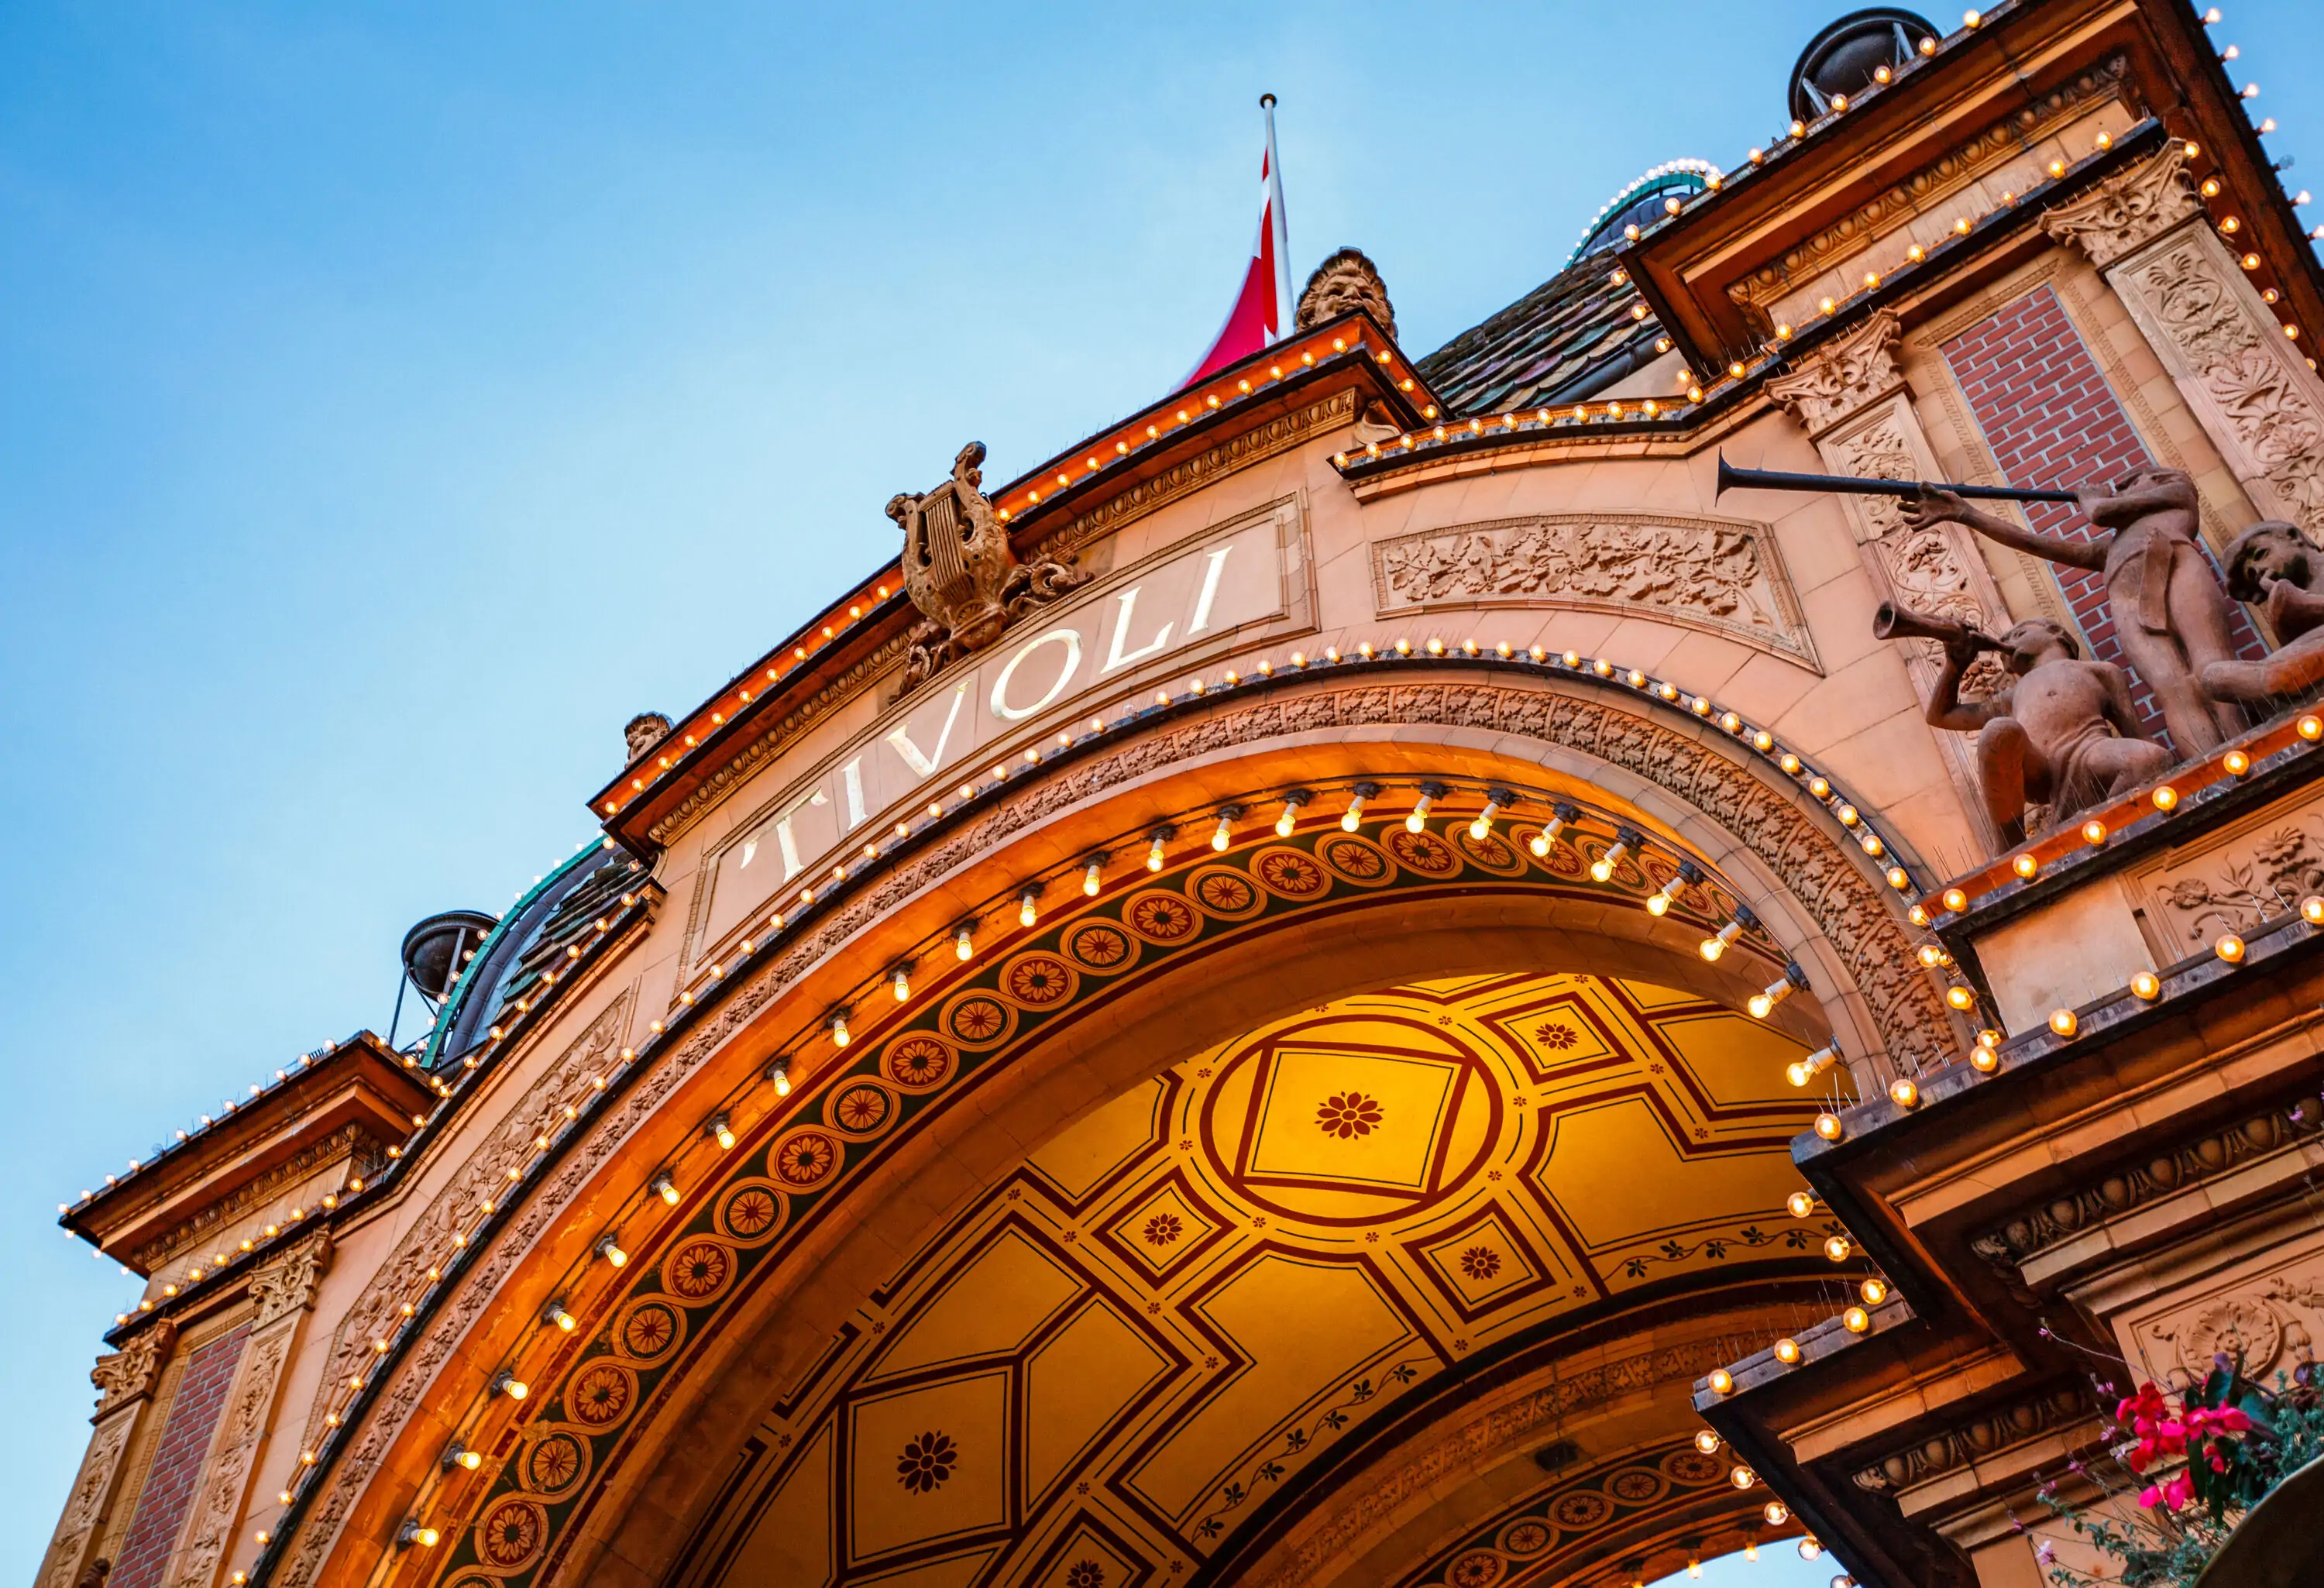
(1012, 714)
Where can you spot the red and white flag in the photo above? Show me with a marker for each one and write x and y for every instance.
(1262, 310)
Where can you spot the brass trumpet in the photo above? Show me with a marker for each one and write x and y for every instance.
(1893, 621)
(1768, 479)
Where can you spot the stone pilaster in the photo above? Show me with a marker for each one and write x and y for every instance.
(124, 1380)
(1852, 397)
(2248, 384)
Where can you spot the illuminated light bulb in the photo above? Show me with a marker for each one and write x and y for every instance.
(1778, 1513)
(1820, 785)
(2229, 948)
(1848, 815)
(1221, 836)
(1828, 1126)
(1742, 1476)
(1712, 947)
(1722, 1382)
(1750, 1549)
(1933, 956)
(721, 1130)
(663, 1187)
(1799, 128)
(1961, 998)
(2026, 866)
(1290, 816)
(1093, 878)
(2064, 1021)
(1542, 841)
(510, 1385)
(963, 942)
(1954, 901)
(2210, 187)
(1659, 903)
(1856, 1320)
(839, 1038)
(1154, 853)
(1764, 1001)
(1482, 828)
(1601, 667)
(1693, 1567)
(1418, 820)
(1762, 741)
(413, 1532)
(1800, 1204)
(1874, 1289)
(555, 1313)
(2311, 727)
(1809, 1548)
(611, 1250)
(1872, 845)
(1970, 19)
(2250, 262)
(1352, 818)
(1602, 868)
(2057, 168)
(1706, 1441)
(1787, 1352)
(2237, 762)
(900, 983)
(461, 1455)
(1983, 1059)
(1790, 763)
(1025, 912)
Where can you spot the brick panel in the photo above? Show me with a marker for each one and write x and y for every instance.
(2054, 423)
(177, 1467)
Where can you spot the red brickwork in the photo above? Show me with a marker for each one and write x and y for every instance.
(177, 1466)
(2054, 423)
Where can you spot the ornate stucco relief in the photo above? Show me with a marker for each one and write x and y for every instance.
(2232, 880)
(1718, 574)
(2271, 1319)
(2250, 388)
(2066, 1409)
(92, 1495)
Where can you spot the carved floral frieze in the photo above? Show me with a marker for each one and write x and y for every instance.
(2269, 1321)
(1976, 1439)
(1844, 376)
(2128, 210)
(1719, 574)
(2258, 870)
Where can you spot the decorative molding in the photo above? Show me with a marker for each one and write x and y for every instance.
(1844, 376)
(1466, 1449)
(2258, 870)
(1279, 434)
(2129, 210)
(1856, 918)
(1997, 144)
(405, 1276)
(86, 1505)
(2165, 1172)
(348, 1142)
(780, 736)
(1723, 574)
(130, 1373)
(1978, 1439)
(287, 1283)
(226, 1476)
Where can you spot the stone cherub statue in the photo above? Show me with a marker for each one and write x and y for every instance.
(2273, 566)
(961, 572)
(2170, 613)
(2063, 734)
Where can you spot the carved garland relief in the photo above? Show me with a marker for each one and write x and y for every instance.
(1718, 574)
(2230, 881)
(2270, 1320)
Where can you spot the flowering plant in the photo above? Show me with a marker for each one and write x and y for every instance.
(2198, 1460)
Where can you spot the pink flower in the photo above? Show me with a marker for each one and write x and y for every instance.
(2175, 1491)
(2234, 1420)
(2045, 1552)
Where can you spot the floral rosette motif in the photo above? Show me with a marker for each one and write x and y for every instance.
(1356, 859)
(805, 1158)
(648, 1328)
(554, 1463)
(978, 1020)
(1225, 893)
(1424, 853)
(1102, 946)
(510, 1535)
(1161, 915)
(1581, 1509)
(1524, 1538)
(601, 1394)
(752, 1213)
(917, 1062)
(1290, 873)
(1038, 980)
(1480, 1569)
(1491, 853)
(861, 1109)
(1692, 1466)
(1637, 1485)
(698, 1271)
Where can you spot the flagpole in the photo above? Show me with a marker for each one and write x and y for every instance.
(1281, 224)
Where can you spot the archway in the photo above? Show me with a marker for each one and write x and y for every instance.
(637, 1438)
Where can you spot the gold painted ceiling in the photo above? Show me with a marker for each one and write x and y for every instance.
(1193, 1294)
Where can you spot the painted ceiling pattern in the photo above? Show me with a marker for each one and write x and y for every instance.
(1172, 1308)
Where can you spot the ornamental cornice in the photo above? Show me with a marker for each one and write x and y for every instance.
(2129, 210)
(1844, 376)
(1977, 1439)
(348, 1142)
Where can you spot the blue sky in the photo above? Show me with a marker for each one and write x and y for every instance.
(395, 398)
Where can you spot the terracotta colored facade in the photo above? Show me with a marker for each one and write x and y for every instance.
(1219, 1073)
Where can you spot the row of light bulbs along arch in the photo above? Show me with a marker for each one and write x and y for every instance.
(1566, 818)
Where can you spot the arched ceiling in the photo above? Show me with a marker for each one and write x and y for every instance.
(1197, 1292)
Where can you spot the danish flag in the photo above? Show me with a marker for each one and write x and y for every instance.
(1262, 310)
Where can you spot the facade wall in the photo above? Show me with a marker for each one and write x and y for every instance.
(179, 1459)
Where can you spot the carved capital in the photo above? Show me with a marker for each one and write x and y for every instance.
(131, 1371)
(288, 1282)
(1844, 376)
(2127, 211)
